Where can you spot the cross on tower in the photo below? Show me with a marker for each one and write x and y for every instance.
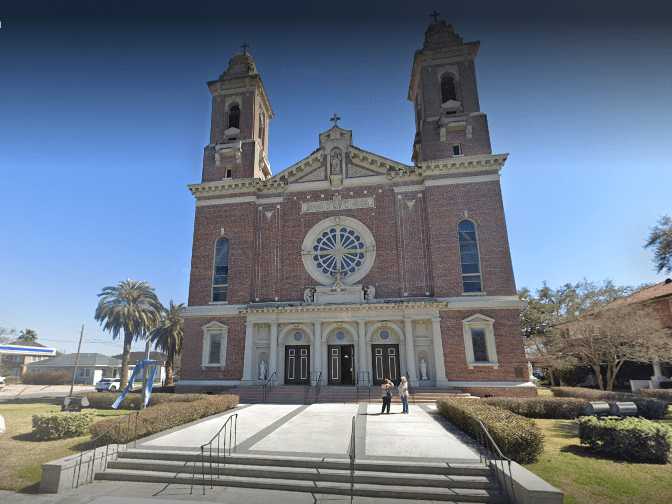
(435, 16)
(245, 47)
(335, 119)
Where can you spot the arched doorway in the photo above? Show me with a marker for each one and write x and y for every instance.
(296, 345)
(341, 364)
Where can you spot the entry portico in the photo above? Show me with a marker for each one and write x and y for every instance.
(380, 340)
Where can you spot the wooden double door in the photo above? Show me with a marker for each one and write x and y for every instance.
(341, 364)
(385, 363)
(297, 364)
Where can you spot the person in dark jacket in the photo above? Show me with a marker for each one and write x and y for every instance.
(386, 389)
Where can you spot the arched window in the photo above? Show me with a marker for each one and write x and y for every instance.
(469, 259)
(234, 116)
(262, 128)
(448, 88)
(220, 277)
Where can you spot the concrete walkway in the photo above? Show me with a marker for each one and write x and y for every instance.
(324, 430)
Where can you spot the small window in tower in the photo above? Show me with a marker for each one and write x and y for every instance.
(457, 150)
(262, 128)
(448, 88)
(234, 116)
(228, 173)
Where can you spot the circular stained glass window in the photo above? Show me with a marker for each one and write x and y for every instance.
(384, 334)
(298, 336)
(339, 249)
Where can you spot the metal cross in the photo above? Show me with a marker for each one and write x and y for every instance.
(335, 119)
(435, 15)
(245, 47)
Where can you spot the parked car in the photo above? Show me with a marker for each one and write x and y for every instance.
(2, 382)
(108, 385)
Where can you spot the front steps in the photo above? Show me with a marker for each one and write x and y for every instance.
(304, 394)
(385, 480)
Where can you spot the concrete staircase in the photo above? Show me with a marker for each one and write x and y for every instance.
(299, 394)
(459, 483)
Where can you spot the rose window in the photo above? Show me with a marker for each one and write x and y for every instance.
(339, 249)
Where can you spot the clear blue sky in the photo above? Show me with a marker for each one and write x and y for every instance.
(104, 113)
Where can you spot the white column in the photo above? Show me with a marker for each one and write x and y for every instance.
(363, 360)
(248, 355)
(410, 352)
(317, 348)
(439, 366)
(273, 358)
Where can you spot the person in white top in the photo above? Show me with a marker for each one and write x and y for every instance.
(403, 394)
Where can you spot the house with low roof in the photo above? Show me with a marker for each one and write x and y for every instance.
(16, 356)
(92, 367)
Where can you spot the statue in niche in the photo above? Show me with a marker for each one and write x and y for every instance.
(309, 295)
(336, 162)
(423, 369)
(369, 293)
(263, 370)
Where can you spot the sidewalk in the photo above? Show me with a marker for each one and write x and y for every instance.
(13, 392)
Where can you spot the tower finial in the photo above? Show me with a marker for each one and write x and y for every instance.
(435, 15)
(335, 119)
(245, 47)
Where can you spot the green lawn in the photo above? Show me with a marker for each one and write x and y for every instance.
(21, 458)
(589, 479)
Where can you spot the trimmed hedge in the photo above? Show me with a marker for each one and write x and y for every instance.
(159, 418)
(541, 407)
(47, 378)
(49, 426)
(660, 394)
(518, 438)
(654, 409)
(631, 439)
(104, 400)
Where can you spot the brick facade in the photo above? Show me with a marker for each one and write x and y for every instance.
(412, 213)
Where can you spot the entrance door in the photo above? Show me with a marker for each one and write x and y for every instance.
(385, 363)
(297, 364)
(341, 364)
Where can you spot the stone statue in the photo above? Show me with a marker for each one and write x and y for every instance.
(423, 369)
(336, 162)
(263, 369)
(530, 371)
(309, 295)
(369, 293)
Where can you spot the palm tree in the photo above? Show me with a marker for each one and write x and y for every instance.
(130, 306)
(168, 336)
(28, 336)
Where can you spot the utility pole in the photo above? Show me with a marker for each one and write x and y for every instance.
(74, 373)
(146, 373)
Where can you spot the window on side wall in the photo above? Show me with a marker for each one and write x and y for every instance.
(479, 341)
(470, 261)
(214, 345)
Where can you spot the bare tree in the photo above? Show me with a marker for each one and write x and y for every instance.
(609, 337)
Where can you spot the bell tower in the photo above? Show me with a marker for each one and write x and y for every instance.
(241, 113)
(443, 89)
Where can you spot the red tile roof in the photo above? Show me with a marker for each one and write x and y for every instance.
(659, 290)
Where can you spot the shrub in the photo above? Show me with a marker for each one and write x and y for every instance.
(104, 400)
(632, 439)
(47, 378)
(541, 407)
(60, 425)
(646, 407)
(660, 394)
(159, 418)
(518, 438)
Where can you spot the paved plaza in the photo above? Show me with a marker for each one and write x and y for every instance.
(324, 430)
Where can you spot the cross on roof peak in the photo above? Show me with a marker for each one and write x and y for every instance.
(245, 47)
(335, 119)
(435, 15)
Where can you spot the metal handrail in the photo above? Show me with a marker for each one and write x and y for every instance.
(230, 426)
(492, 456)
(268, 385)
(91, 463)
(367, 375)
(352, 454)
(318, 386)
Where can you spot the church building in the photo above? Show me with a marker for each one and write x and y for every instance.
(348, 267)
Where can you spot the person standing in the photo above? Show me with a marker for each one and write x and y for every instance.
(386, 389)
(403, 394)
